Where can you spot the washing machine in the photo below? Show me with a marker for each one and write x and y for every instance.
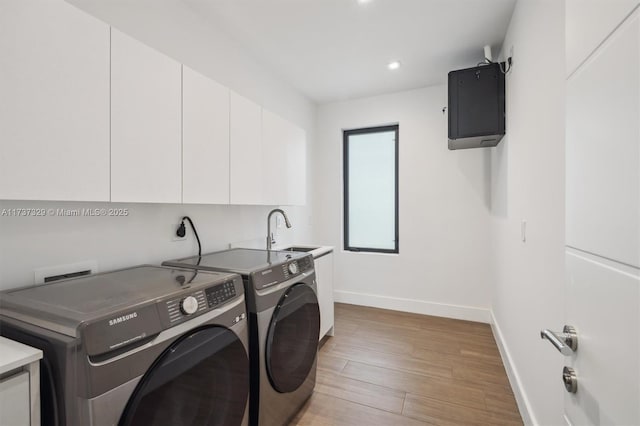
(284, 325)
(140, 346)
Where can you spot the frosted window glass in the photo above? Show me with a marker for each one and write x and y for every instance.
(372, 190)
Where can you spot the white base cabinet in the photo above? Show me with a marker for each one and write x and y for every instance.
(19, 384)
(324, 278)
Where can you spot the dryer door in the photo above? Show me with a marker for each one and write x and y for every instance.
(201, 379)
(292, 339)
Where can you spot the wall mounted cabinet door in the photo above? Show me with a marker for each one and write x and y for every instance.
(54, 102)
(205, 140)
(246, 151)
(146, 161)
(274, 154)
(296, 164)
(284, 158)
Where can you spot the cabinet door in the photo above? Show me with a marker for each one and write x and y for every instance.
(296, 164)
(324, 278)
(246, 151)
(274, 154)
(54, 107)
(146, 160)
(14, 400)
(284, 153)
(205, 140)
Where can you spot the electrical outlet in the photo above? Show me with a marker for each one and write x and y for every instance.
(174, 236)
(523, 231)
(278, 221)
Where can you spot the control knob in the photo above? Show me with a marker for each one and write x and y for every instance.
(293, 268)
(189, 305)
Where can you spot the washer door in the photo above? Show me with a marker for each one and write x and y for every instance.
(292, 339)
(201, 379)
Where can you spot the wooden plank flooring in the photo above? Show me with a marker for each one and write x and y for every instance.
(394, 368)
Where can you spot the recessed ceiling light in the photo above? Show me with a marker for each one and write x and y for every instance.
(394, 65)
(364, 1)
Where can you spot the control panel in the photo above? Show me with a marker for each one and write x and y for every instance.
(296, 267)
(183, 307)
(220, 293)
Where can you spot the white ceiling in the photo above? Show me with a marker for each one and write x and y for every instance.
(338, 49)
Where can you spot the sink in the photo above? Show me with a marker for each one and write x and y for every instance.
(303, 249)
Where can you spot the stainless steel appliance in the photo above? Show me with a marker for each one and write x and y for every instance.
(145, 345)
(284, 323)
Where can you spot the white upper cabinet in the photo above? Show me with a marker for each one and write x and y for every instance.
(588, 24)
(284, 153)
(274, 153)
(146, 159)
(205, 140)
(247, 170)
(54, 102)
(295, 162)
(603, 150)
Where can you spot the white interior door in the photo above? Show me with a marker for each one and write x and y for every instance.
(603, 228)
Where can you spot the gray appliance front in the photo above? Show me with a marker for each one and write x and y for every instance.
(107, 408)
(276, 407)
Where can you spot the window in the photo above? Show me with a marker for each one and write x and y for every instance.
(371, 189)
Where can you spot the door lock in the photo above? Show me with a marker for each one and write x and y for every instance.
(570, 379)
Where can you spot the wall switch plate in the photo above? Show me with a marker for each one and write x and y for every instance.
(174, 235)
(523, 231)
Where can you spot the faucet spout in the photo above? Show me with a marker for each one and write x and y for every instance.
(270, 240)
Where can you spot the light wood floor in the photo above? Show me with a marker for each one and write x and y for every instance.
(393, 368)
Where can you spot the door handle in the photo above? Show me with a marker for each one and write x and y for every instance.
(566, 342)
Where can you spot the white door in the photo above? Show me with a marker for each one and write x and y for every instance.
(603, 222)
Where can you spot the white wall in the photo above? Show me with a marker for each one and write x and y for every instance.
(443, 266)
(145, 236)
(528, 184)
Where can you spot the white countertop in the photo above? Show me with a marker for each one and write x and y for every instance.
(14, 355)
(317, 251)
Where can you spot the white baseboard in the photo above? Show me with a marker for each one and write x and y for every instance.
(424, 307)
(512, 373)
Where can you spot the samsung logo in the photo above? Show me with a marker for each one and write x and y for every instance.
(123, 318)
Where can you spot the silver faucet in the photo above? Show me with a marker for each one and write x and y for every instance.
(270, 240)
